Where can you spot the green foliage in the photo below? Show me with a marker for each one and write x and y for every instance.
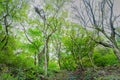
(68, 62)
(103, 57)
(12, 60)
(20, 13)
(34, 32)
(7, 76)
(78, 47)
(86, 62)
(0, 28)
(53, 66)
(26, 74)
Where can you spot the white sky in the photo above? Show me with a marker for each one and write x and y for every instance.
(116, 5)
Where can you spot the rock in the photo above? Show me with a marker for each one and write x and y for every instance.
(101, 72)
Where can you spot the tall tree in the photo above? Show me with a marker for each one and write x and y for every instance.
(99, 17)
(8, 11)
(79, 45)
(47, 22)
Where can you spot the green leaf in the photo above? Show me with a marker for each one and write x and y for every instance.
(0, 27)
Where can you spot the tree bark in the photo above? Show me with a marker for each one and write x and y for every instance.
(117, 53)
(46, 63)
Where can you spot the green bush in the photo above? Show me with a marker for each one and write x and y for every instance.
(33, 73)
(67, 62)
(86, 62)
(7, 76)
(53, 66)
(104, 59)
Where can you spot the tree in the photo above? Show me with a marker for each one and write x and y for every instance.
(8, 42)
(78, 45)
(47, 22)
(99, 17)
(8, 13)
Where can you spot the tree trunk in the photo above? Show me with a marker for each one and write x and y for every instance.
(59, 59)
(35, 60)
(117, 53)
(46, 64)
(40, 56)
(59, 62)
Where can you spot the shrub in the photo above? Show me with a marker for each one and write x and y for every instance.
(7, 76)
(104, 59)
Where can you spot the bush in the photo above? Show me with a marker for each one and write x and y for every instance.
(28, 73)
(7, 76)
(52, 68)
(68, 62)
(86, 62)
(53, 65)
(104, 59)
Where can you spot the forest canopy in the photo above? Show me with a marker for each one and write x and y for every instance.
(59, 40)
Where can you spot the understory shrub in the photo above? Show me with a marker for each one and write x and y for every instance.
(104, 58)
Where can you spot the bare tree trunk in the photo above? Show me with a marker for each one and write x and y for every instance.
(117, 53)
(91, 60)
(59, 55)
(40, 57)
(46, 64)
(35, 59)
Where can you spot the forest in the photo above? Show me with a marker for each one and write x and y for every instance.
(59, 40)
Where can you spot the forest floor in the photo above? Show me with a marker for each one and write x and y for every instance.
(106, 73)
(97, 73)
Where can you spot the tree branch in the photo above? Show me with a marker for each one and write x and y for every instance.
(28, 37)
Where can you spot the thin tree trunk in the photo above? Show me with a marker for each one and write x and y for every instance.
(117, 53)
(91, 60)
(35, 59)
(59, 56)
(46, 64)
